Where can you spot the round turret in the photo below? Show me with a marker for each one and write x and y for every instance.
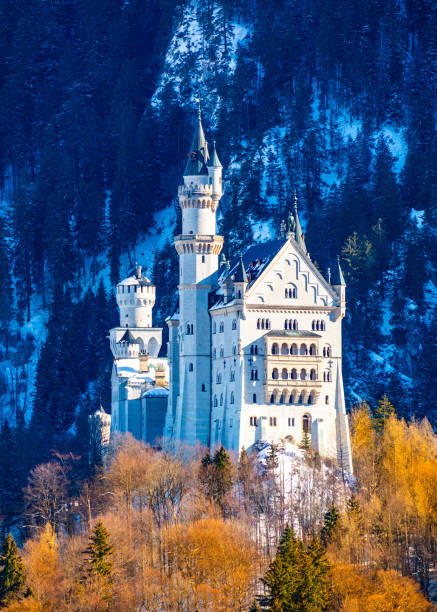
(135, 299)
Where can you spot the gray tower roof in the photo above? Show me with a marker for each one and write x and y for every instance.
(128, 338)
(337, 277)
(198, 156)
(214, 160)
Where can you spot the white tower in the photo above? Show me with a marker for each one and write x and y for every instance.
(135, 335)
(198, 247)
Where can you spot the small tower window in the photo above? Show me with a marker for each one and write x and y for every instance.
(215, 401)
(232, 398)
(326, 399)
(190, 367)
(203, 258)
(221, 399)
(203, 387)
(221, 327)
(214, 328)
(306, 423)
(234, 324)
(254, 398)
(273, 421)
(254, 375)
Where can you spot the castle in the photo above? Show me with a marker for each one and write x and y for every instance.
(255, 348)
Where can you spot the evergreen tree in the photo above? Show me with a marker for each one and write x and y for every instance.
(318, 589)
(382, 412)
(216, 475)
(12, 574)
(306, 442)
(99, 552)
(331, 525)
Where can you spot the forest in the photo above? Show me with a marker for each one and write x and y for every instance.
(335, 99)
(180, 531)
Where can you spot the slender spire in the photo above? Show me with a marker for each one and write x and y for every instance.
(214, 160)
(337, 275)
(240, 275)
(299, 235)
(198, 154)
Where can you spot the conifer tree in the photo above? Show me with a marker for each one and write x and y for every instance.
(12, 574)
(99, 552)
(330, 524)
(216, 475)
(305, 442)
(317, 577)
(382, 412)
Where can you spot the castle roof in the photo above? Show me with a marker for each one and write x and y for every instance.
(128, 338)
(198, 156)
(337, 277)
(214, 160)
(292, 333)
(240, 274)
(136, 277)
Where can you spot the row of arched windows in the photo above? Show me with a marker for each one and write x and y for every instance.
(263, 324)
(293, 398)
(318, 326)
(221, 327)
(294, 349)
(294, 374)
(290, 324)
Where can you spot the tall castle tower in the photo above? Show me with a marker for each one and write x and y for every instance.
(198, 248)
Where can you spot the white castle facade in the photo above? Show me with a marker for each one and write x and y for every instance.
(255, 349)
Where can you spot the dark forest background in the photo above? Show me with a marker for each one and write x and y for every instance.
(93, 143)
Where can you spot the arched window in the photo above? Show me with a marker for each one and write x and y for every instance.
(313, 349)
(295, 326)
(232, 398)
(189, 329)
(294, 374)
(322, 325)
(326, 399)
(306, 423)
(215, 401)
(313, 326)
(286, 324)
(221, 399)
(327, 376)
(254, 375)
(284, 374)
(234, 324)
(218, 378)
(284, 349)
(272, 398)
(301, 398)
(268, 324)
(275, 374)
(313, 375)
(303, 349)
(254, 398)
(221, 327)
(232, 375)
(214, 327)
(253, 349)
(282, 398)
(275, 349)
(294, 349)
(234, 349)
(190, 367)
(258, 324)
(222, 353)
(303, 374)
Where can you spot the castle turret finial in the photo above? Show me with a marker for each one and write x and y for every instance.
(198, 99)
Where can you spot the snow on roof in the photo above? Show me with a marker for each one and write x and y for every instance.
(156, 392)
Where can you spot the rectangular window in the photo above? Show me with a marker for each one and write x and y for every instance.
(291, 422)
(254, 398)
(254, 375)
(203, 387)
(253, 421)
(203, 258)
(326, 399)
(231, 422)
(273, 421)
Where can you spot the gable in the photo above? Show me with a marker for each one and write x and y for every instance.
(291, 279)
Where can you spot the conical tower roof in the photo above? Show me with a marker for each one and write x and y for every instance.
(214, 160)
(198, 156)
(337, 274)
(240, 274)
(128, 338)
(299, 234)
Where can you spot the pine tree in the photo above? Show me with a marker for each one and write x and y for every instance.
(12, 574)
(285, 578)
(382, 412)
(330, 525)
(99, 552)
(306, 442)
(317, 577)
(216, 475)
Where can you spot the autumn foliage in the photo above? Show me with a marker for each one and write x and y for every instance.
(157, 531)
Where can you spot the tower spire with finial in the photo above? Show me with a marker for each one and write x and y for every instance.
(299, 235)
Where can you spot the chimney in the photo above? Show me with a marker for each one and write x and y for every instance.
(160, 377)
(144, 362)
